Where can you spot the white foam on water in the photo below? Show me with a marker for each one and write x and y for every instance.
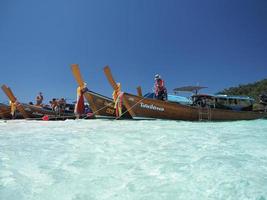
(106, 159)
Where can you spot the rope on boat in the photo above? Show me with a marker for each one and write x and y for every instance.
(109, 104)
(52, 117)
(63, 117)
(132, 107)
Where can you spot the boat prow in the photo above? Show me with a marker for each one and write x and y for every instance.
(102, 106)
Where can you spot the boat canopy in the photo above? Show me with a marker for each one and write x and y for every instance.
(179, 99)
(194, 89)
(223, 96)
(173, 98)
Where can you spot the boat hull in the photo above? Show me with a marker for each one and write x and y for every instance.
(140, 107)
(5, 112)
(103, 107)
(36, 112)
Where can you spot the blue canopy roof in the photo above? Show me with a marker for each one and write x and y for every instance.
(173, 98)
(227, 96)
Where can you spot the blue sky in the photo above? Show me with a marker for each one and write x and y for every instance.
(216, 43)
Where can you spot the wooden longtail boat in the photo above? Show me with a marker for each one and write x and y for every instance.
(35, 112)
(102, 106)
(152, 108)
(13, 99)
(145, 108)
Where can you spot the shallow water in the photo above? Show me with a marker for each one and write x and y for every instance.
(105, 159)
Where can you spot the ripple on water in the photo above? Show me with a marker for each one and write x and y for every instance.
(105, 159)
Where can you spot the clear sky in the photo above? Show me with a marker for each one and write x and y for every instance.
(216, 43)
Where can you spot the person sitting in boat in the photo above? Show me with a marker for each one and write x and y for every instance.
(62, 104)
(54, 104)
(39, 99)
(160, 89)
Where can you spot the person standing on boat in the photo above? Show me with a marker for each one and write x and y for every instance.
(160, 89)
(39, 99)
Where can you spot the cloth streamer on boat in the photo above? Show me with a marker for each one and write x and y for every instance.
(117, 97)
(118, 105)
(79, 109)
(13, 107)
(80, 105)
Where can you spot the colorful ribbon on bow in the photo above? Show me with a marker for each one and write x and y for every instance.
(117, 97)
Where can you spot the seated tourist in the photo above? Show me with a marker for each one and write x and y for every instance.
(62, 104)
(54, 104)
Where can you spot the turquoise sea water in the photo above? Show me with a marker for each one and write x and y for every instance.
(105, 159)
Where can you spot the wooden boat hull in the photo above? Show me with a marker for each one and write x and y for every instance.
(5, 112)
(36, 112)
(103, 107)
(144, 108)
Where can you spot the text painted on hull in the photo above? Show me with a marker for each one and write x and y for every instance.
(151, 107)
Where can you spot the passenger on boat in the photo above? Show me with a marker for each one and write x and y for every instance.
(54, 104)
(39, 99)
(62, 104)
(160, 89)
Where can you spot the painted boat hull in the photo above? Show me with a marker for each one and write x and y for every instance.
(103, 107)
(140, 107)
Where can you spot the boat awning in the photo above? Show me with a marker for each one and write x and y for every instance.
(234, 97)
(221, 96)
(194, 89)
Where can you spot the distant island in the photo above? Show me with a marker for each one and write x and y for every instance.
(252, 89)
